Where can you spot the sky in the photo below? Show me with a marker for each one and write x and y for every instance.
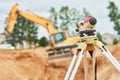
(98, 8)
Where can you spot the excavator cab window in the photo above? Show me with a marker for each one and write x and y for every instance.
(59, 37)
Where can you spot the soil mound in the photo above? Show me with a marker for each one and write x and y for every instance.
(32, 64)
(23, 64)
(105, 70)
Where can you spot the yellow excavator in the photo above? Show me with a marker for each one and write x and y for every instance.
(59, 40)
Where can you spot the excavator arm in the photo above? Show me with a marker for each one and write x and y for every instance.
(59, 41)
(14, 13)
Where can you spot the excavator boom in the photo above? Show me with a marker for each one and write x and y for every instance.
(11, 19)
(34, 18)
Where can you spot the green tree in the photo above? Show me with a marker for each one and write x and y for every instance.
(114, 15)
(31, 33)
(24, 30)
(17, 34)
(115, 41)
(99, 36)
(66, 18)
(43, 42)
(53, 17)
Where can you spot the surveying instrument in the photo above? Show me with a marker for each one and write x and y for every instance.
(88, 43)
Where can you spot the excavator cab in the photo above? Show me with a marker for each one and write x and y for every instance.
(57, 38)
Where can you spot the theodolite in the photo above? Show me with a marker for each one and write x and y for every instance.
(88, 43)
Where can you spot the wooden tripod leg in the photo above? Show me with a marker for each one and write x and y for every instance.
(107, 54)
(94, 63)
(85, 66)
(71, 65)
(80, 56)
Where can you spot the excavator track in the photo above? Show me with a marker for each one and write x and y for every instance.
(58, 57)
(61, 54)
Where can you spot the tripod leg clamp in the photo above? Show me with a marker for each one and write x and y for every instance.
(82, 46)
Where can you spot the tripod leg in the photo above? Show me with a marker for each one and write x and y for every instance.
(71, 65)
(94, 63)
(81, 48)
(108, 55)
(85, 67)
(77, 65)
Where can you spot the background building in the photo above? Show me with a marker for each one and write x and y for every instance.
(2, 37)
(108, 38)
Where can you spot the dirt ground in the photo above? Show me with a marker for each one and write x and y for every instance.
(32, 64)
(22, 64)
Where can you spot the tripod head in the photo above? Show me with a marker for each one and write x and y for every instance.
(87, 27)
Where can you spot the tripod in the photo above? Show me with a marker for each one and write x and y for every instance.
(88, 44)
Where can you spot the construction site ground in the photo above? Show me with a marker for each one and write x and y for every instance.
(33, 64)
